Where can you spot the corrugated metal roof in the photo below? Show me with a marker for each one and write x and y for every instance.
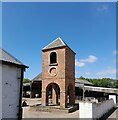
(26, 84)
(7, 57)
(55, 44)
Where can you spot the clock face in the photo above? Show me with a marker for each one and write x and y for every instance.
(53, 71)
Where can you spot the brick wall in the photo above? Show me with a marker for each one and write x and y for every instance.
(64, 75)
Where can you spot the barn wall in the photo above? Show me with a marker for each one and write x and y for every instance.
(10, 91)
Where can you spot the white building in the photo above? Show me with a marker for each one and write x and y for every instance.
(12, 71)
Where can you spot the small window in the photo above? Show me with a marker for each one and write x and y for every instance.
(53, 58)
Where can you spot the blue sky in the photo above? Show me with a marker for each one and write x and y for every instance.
(88, 28)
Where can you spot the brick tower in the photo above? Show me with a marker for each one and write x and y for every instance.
(58, 74)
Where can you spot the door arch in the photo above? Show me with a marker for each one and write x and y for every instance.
(52, 94)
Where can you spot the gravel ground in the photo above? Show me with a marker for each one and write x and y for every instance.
(39, 114)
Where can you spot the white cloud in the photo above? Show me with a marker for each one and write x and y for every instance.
(103, 8)
(107, 72)
(90, 59)
(79, 64)
(82, 62)
(115, 52)
(88, 73)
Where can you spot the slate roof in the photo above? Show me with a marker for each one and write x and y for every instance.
(55, 44)
(81, 81)
(7, 57)
(38, 77)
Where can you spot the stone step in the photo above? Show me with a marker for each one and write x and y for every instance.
(53, 108)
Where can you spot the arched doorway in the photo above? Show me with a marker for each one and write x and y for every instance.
(52, 94)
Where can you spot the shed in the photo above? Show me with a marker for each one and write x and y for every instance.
(12, 72)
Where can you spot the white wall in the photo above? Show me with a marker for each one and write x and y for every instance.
(10, 91)
(113, 97)
(99, 109)
(85, 110)
(95, 110)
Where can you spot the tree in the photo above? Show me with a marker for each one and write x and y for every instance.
(116, 84)
(26, 80)
(81, 77)
(104, 82)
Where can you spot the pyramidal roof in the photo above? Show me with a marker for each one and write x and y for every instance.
(55, 44)
(7, 57)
